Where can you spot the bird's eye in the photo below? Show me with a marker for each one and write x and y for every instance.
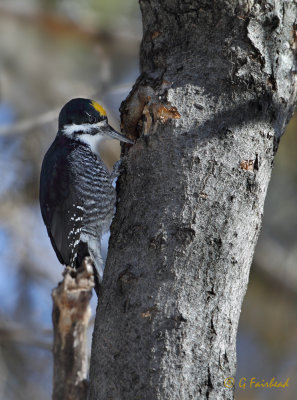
(92, 119)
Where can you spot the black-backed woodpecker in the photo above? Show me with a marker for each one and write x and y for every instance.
(77, 198)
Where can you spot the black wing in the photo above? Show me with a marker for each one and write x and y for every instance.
(61, 207)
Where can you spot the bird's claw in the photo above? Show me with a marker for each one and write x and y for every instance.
(116, 169)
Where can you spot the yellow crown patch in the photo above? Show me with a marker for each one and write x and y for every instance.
(98, 108)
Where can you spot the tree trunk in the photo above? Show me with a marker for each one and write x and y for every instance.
(216, 90)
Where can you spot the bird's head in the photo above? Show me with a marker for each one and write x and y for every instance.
(86, 121)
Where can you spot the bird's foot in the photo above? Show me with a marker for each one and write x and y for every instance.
(116, 169)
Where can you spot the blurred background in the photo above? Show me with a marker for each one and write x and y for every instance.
(50, 52)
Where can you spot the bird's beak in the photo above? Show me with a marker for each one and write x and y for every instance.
(109, 131)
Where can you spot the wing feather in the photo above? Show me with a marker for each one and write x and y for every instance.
(61, 206)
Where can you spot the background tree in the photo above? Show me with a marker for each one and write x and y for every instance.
(216, 89)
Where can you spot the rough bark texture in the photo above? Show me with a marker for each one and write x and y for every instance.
(217, 87)
(71, 315)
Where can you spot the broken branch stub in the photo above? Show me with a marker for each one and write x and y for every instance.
(71, 315)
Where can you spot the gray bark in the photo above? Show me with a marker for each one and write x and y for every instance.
(217, 87)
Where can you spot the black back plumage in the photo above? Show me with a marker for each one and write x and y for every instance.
(76, 197)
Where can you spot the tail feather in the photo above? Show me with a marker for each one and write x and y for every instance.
(84, 250)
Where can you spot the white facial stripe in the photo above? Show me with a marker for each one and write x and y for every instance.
(69, 130)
